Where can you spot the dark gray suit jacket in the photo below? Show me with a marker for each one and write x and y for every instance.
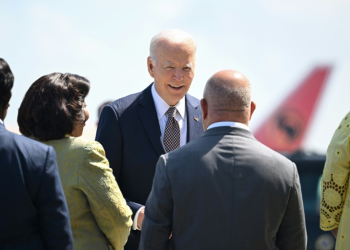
(224, 191)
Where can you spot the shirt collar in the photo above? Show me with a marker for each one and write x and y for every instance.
(162, 106)
(228, 124)
(1, 121)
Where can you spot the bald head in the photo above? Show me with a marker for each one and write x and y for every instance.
(228, 90)
(173, 36)
(227, 95)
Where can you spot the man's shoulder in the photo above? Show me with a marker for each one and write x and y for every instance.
(29, 147)
(28, 143)
(265, 151)
(274, 163)
(25, 141)
(261, 153)
(125, 101)
(121, 104)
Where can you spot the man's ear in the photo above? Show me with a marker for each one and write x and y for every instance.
(252, 109)
(204, 106)
(150, 67)
(4, 106)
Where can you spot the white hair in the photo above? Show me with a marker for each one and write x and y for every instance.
(173, 35)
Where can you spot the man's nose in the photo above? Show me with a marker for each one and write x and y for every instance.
(178, 75)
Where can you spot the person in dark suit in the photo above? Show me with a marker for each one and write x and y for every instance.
(225, 190)
(33, 209)
(137, 129)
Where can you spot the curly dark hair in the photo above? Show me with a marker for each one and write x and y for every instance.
(6, 82)
(52, 105)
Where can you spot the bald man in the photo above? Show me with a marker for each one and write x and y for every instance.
(137, 129)
(225, 190)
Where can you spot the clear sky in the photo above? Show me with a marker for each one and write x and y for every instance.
(275, 43)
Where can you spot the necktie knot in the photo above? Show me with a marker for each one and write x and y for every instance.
(171, 112)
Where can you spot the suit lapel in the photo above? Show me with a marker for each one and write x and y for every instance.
(194, 119)
(149, 118)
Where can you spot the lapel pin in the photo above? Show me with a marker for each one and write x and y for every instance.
(196, 118)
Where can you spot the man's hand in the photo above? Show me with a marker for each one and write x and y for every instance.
(140, 218)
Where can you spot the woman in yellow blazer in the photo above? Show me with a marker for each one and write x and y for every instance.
(335, 202)
(54, 111)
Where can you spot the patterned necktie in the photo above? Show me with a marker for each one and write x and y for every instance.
(172, 131)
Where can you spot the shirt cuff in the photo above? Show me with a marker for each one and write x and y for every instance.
(134, 225)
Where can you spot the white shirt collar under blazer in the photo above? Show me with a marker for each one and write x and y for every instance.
(228, 124)
(162, 107)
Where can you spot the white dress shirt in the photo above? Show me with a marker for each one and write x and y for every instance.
(228, 124)
(161, 108)
(1, 121)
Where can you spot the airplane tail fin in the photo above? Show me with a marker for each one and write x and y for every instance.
(285, 129)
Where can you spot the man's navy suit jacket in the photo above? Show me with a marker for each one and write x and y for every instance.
(130, 134)
(33, 209)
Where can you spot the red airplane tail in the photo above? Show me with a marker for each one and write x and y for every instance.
(285, 129)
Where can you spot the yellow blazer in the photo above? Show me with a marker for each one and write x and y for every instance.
(98, 212)
(335, 202)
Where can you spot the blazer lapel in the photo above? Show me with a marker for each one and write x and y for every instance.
(149, 118)
(194, 119)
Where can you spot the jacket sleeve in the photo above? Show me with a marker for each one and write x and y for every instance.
(292, 232)
(106, 201)
(110, 136)
(157, 225)
(53, 212)
(335, 178)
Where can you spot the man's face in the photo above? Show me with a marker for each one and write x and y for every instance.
(173, 70)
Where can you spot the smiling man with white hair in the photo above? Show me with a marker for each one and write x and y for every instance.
(137, 129)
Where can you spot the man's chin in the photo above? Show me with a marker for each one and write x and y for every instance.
(175, 98)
